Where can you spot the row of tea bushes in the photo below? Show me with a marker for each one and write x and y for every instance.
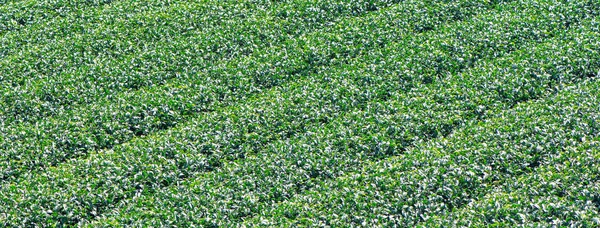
(20, 14)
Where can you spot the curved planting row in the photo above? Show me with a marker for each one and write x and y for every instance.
(564, 191)
(82, 189)
(444, 175)
(126, 52)
(29, 23)
(287, 168)
(123, 116)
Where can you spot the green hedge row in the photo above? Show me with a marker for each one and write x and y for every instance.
(19, 15)
(121, 52)
(563, 192)
(286, 168)
(111, 121)
(31, 23)
(84, 188)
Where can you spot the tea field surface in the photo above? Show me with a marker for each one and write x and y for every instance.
(299, 113)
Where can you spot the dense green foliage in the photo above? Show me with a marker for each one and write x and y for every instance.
(119, 118)
(323, 153)
(299, 113)
(427, 180)
(115, 118)
(563, 191)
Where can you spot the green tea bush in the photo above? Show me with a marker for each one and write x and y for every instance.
(19, 15)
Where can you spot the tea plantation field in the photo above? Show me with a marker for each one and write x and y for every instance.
(310, 113)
